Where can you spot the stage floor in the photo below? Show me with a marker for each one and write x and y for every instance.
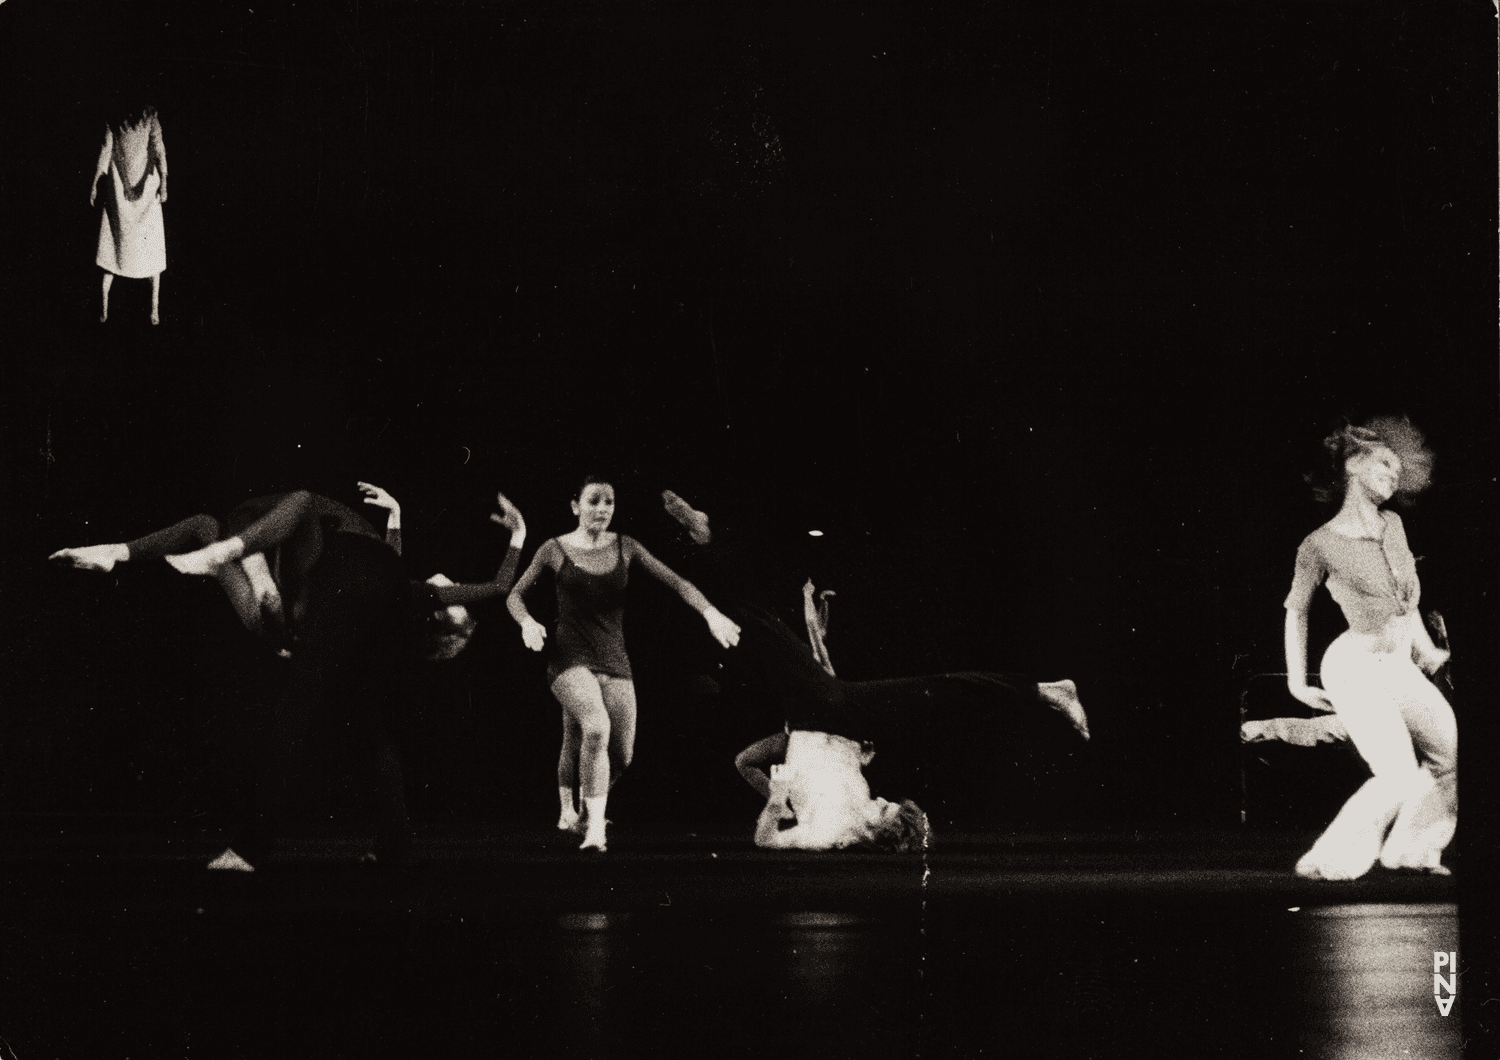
(509, 943)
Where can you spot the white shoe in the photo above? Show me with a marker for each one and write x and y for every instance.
(570, 822)
(231, 861)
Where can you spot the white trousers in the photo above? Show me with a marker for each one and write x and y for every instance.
(1406, 813)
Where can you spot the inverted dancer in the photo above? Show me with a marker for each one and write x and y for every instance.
(811, 772)
(348, 629)
(588, 671)
(132, 239)
(1371, 676)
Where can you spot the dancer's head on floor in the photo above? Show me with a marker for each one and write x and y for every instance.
(901, 828)
(442, 632)
(594, 504)
(1386, 459)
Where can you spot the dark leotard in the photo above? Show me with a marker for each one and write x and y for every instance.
(590, 617)
(590, 607)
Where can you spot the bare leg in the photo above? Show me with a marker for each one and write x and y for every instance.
(577, 690)
(155, 298)
(619, 703)
(109, 279)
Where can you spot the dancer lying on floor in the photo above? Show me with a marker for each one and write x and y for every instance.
(811, 772)
(588, 670)
(352, 626)
(1374, 673)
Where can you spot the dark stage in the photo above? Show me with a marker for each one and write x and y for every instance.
(1038, 313)
(508, 942)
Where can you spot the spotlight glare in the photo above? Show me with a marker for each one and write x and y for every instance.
(815, 533)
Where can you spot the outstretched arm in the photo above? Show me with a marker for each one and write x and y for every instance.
(509, 517)
(756, 761)
(724, 630)
(816, 617)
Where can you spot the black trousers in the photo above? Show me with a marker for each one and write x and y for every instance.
(773, 671)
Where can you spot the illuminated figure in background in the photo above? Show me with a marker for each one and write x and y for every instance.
(811, 773)
(588, 670)
(314, 579)
(132, 239)
(1373, 673)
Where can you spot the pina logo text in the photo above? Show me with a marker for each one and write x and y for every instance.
(1444, 984)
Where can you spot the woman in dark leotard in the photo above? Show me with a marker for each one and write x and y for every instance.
(831, 724)
(588, 671)
(348, 631)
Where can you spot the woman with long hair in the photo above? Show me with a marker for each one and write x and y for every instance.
(1373, 674)
(132, 238)
(316, 581)
(811, 772)
(588, 671)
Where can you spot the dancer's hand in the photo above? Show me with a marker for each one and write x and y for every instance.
(92, 557)
(94, 191)
(378, 497)
(1430, 660)
(534, 634)
(723, 628)
(1313, 697)
(509, 516)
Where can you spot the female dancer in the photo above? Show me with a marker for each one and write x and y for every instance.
(812, 770)
(132, 240)
(1370, 672)
(349, 625)
(589, 672)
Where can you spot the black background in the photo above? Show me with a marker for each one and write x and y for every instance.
(1038, 312)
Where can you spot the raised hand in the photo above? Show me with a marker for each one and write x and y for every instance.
(509, 516)
(92, 557)
(378, 497)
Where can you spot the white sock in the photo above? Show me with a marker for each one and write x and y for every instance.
(565, 800)
(595, 807)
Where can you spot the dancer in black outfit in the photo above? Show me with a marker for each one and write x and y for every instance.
(347, 631)
(832, 723)
(588, 670)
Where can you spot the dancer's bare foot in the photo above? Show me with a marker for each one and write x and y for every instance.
(231, 862)
(570, 822)
(209, 559)
(692, 520)
(93, 557)
(1063, 696)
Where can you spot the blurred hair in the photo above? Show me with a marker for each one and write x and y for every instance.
(1395, 433)
(124, 113)
(907, 831)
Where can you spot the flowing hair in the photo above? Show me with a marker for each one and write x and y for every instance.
(1396, 433)
(906, 832)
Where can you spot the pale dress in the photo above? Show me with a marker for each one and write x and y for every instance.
(132, 240)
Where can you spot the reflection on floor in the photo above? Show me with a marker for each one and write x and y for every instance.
(1190, 946)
